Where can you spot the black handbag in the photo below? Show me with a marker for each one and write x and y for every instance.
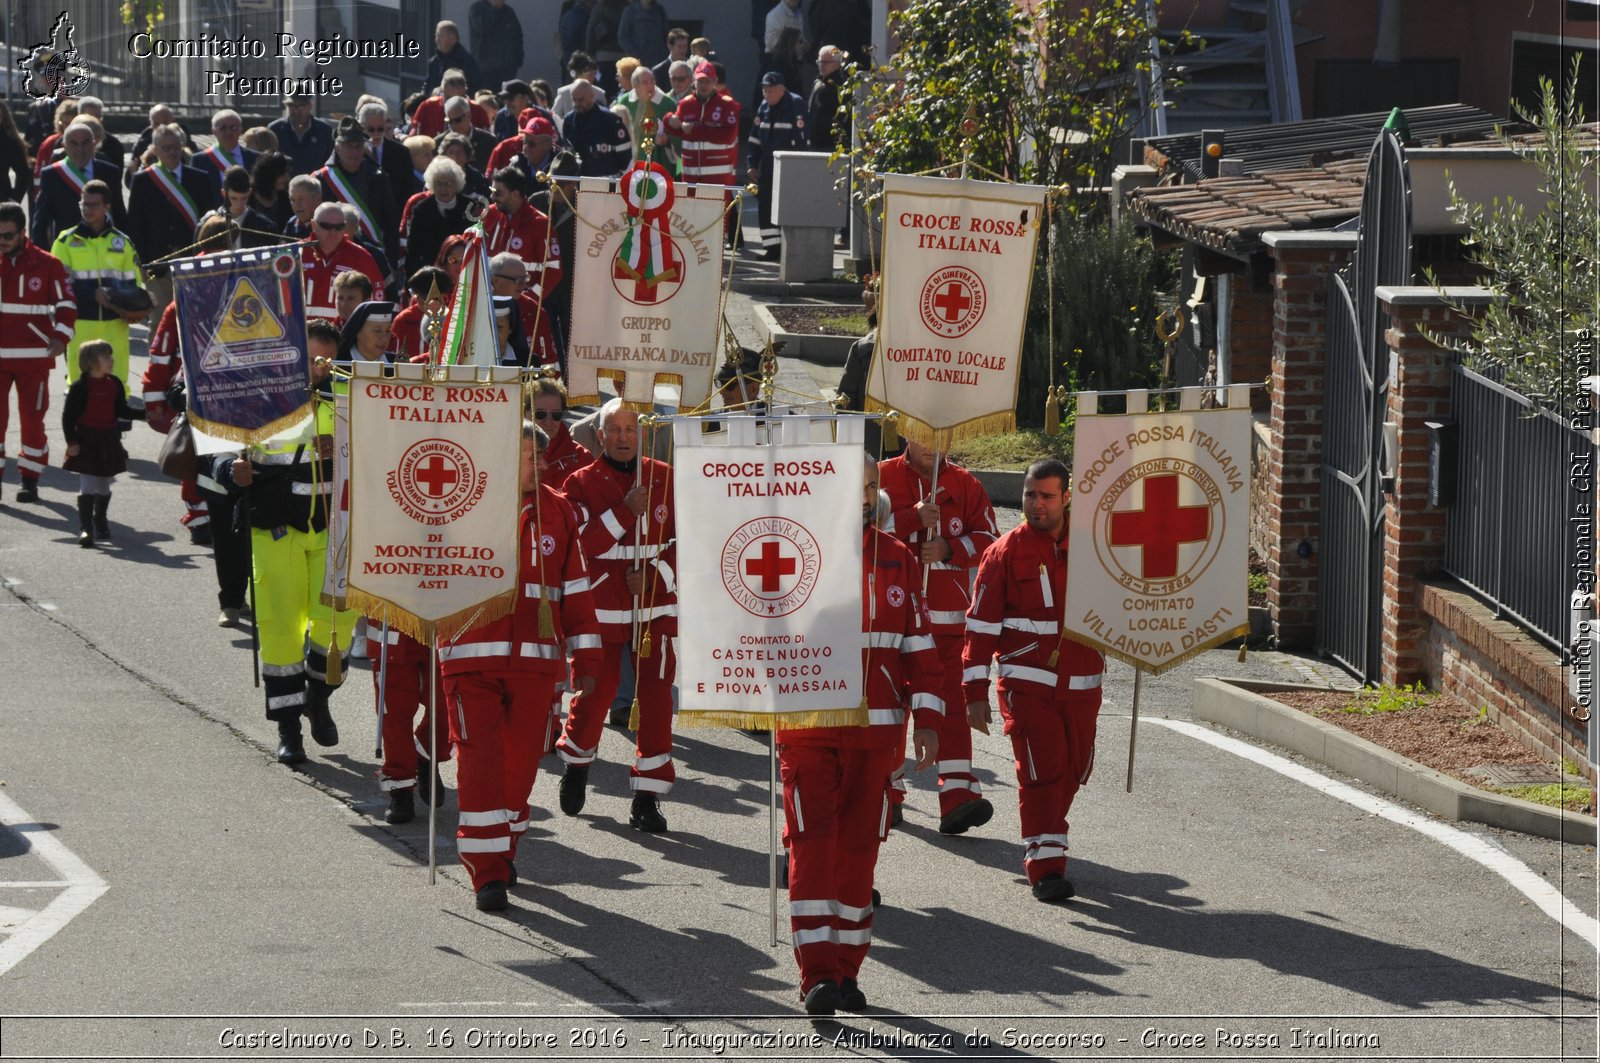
(128, 297)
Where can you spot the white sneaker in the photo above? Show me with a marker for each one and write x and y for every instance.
(228, 618)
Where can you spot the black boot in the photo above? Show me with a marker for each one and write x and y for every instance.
(429, 784)
(323, 730)
(86, 520)
(401, 808)
(646, 814)
(102, 526)
(291, 748)
(29, 491)
(574, 788)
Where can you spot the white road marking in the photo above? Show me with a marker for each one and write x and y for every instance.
(1546, 897)
(84, 887)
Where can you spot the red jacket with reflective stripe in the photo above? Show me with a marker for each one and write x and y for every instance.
(563, 457)
(163, 365)
(966, 522)
(528, 235)
(1016, 616)
(611, 542)
(36, 305)
(901, 667)
(319, 272)
(708, 131)
(550, 566)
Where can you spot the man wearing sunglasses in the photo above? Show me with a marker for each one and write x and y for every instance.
(458, 119)
(328, 253)
(37, 315)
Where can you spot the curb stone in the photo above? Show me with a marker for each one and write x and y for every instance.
(1235, 704)
(807, 346)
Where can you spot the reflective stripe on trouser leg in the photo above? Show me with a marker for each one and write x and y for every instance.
(286, 695)
(586, 720)
(1037, 728)
(957, 784)
(280, 577)
(653, 770)
(861, 809)
(195, 513)
(33, 402)
(495, 720)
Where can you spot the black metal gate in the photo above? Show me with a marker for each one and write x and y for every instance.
(1356, 386)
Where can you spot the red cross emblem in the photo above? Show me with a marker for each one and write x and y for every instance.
(437, 475)
(1161, 526)
(952, 302)
(436, 481)
(771, 566)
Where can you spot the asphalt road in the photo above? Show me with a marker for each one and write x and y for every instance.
(222, 901)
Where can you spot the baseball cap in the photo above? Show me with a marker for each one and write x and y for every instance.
(771, 78)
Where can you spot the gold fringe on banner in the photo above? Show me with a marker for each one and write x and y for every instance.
(762, 721)
(447, 628)
(941, 438)
(251, 436)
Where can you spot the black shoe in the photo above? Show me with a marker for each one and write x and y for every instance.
(323, 730)
(429, 784)
(851, 998)
(877, 899)
(492, 897)
(512, 881)
(29, 492)
(646, 815)
(823, 998)
(86, 520)
(200, 536)
(1053, 888)
(618, 716)
(965, 816)
(896, 816)
(402, 809)
(574, 788)
(291, 748)
(102, 526)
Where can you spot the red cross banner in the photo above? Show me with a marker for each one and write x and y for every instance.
(336, 570)
(646, 289)
(957, 270)
(435, 494)
(1159, 526)
(769, 585)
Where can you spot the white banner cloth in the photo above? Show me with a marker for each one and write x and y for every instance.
(657, 325)
(336, 572)
(435, 494)
(769, 584)
(1159, 528)
(957, 270)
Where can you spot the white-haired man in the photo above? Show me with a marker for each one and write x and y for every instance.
(329, 253)
(227, 127)
(625, 508)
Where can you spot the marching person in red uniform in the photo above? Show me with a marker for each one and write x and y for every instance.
(1049, 683)
(329, 253)
(948, 531)
(566, 455)
(515, 225)
(400, 682)
(627, 534)
(499, 679)
(707, 125)
(37, 315)
(836, 779)
(159, 371)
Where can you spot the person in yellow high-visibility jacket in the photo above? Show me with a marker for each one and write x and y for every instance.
(97, 255)
(289, 490)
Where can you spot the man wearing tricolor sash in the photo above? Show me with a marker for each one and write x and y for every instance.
(352, 177)
(835, 779)
(165, 205)
(625, 503)
(61, 184)
(227, 127)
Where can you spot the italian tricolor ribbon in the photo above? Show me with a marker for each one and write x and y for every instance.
(646, 256)
(347, 192)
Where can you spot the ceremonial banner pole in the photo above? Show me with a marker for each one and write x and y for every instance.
(383, 683)
(933, 496)
(1133, 727)
(433, 756)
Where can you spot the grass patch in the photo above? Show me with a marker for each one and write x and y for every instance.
(1257, 582)
(1013, 450)
(1569, 796)
(1389, 698)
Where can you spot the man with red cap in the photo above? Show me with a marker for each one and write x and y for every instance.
(948, 529)
(835, 779)
(499, 680)
(624, 501)
(706, 124)
(1049, 683)
(531, 151)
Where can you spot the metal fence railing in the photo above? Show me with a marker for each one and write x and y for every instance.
(1507, 537)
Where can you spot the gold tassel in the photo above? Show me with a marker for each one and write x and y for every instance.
(644, 646)
(633, 716)
(1241, 652)
(891, 437)
(335, 665)
(1052, 413)
(1054, 655)
(547, 624)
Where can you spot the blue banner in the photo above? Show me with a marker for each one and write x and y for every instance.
(242, 333)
